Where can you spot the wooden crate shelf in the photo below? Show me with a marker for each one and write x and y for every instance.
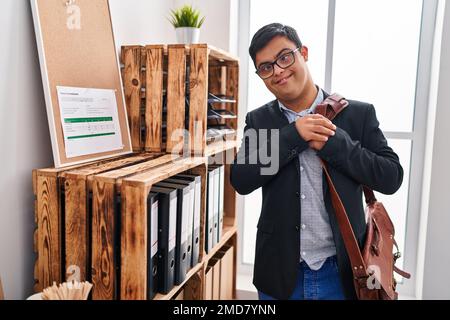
(220, 146)
(77, 208)
(193, 272)
(134, 193)
(177, 74)
(228, 233)
(61, 216)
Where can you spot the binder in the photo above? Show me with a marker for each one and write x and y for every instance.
(215, 207)
(152, 240)
(221, 193)
(183, 201)
(197, 214)
(167, 223)
(209, 212)
(191, 186)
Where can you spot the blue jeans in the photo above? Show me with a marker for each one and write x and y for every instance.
(323, 284)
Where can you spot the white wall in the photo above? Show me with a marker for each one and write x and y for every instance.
(24, 135)
(141, 22)
(436, 264)
(221, 24)
(25, 144)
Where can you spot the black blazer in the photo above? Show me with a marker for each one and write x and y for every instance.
(357, 155)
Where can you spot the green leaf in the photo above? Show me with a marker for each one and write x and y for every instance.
(201, 22)
(186, 16)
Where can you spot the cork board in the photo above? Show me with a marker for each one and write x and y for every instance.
(76, 49)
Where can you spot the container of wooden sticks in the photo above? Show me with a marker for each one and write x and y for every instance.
(72, 290)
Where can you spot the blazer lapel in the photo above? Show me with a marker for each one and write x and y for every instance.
(277, 115)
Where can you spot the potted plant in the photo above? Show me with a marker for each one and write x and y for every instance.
(187, 23)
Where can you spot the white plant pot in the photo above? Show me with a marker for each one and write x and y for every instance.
(186, 35)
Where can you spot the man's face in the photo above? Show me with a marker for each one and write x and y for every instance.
(286, 84)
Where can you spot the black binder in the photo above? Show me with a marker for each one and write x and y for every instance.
(209, 241)
(220, 195)
(197, 214)
(167, 223)
(183, 201)
(190, 230)
(152, 240)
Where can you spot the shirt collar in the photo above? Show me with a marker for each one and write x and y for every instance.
(311, 109)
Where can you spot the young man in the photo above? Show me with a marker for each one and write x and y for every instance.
(300, 253)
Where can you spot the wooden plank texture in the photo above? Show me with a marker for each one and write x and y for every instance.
(176, 94)
(193, 289)
(152, 176)
(49, 231)
(37, 287)
(132, 84)
(116, 176)
(103, 247)
(208, 284)
(215, 80)
(133, 277)
(153, 98)
(198, 99)
(226, 273)
(76, 229)
(219, 54)
(232, 90)
(97, 168)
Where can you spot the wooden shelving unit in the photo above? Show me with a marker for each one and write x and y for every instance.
(158, 80)
(219, 147)
(229, 231)
(76, 207)
(193, 272)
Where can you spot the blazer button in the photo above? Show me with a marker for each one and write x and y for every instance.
(297, 194)
(297, 228)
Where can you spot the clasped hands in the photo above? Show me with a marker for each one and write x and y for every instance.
(315, 129)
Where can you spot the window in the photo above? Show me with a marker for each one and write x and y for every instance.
(377, 62)
(363, 50)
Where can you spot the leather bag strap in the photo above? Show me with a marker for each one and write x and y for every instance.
(330, 108)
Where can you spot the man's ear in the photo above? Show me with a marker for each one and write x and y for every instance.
(304, 52)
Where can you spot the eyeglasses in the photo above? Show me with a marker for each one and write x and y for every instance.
(266, 70)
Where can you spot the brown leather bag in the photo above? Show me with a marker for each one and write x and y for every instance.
(373, 268)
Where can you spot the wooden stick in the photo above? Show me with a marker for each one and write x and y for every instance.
(68, 291)
(2, 297)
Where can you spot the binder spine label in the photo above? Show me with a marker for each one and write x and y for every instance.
(191, 211)
(198, 196)
(154, 227)
(172, 224)
(185, 216)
